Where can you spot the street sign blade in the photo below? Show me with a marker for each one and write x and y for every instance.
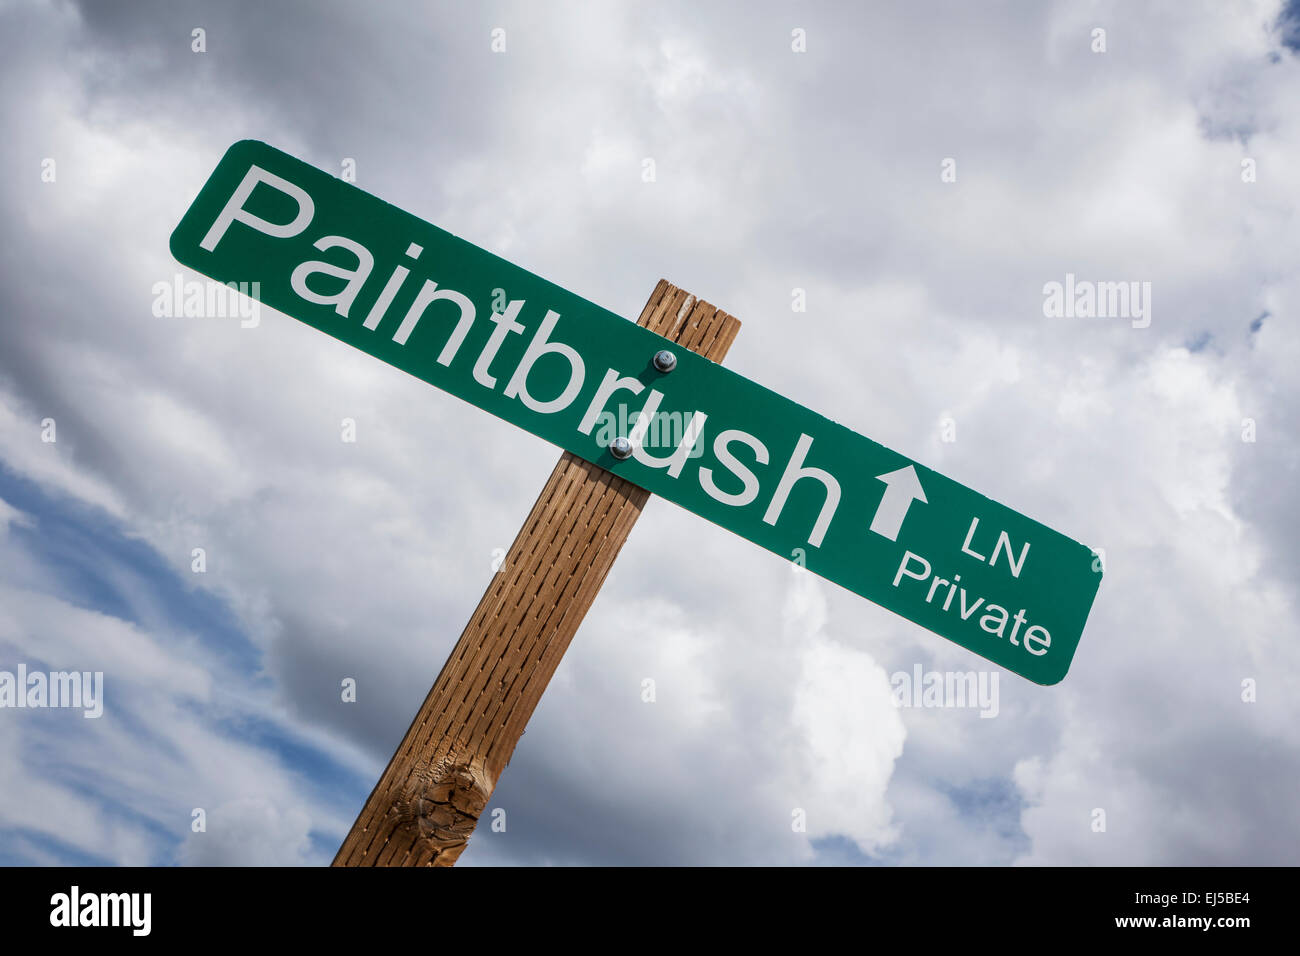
(511, 343)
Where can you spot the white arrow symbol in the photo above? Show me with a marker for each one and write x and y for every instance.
(900, 488)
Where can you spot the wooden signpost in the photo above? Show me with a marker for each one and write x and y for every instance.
(429, 799)
(794, 482)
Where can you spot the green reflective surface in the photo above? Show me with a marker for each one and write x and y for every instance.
(848, 509)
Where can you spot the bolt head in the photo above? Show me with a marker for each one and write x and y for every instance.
(620, 448)
(665, 361)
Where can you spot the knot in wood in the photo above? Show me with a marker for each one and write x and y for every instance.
(439, 807)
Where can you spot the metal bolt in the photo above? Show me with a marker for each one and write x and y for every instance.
(620, 448)
(665, 361)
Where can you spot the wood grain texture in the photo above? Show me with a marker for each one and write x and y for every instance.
(427, 803)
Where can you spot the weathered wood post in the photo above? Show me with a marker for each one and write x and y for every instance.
(428, 801)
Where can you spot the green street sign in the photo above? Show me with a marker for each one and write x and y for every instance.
(848, 509)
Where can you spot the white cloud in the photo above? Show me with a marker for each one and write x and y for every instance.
(851, 733)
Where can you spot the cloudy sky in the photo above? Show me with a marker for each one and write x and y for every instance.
(1169, 157)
